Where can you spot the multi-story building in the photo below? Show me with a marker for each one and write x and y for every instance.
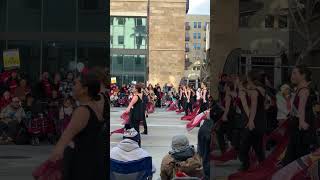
(196, 38)
(147, 40)
(54, 35)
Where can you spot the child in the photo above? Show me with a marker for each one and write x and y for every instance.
(31, 113)
(66, 112)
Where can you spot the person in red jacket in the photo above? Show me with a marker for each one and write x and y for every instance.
(46, 85)
(5, 100)
(12, 82)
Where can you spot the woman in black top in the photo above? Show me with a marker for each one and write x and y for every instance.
(136, 109)
(204, 98)
(252, 135)
(302, 128)
(188, 94)
(87, 153)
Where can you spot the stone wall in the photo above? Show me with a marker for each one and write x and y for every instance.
(224, 37)
(167, 41)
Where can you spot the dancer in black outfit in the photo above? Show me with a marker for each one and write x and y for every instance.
(252, 135)
(85, 134)
(181, 97)
(302, 129)
(188, 106)
(227, 117)
(145, 100)
(204, 98)
(136, 109)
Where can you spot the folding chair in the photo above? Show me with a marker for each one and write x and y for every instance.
(135, 170)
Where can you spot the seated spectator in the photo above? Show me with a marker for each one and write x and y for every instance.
(22, 90)
(130, 155)
(67, 85)
(283, 103)
(11, 116)
(5, 100)
(181, 158)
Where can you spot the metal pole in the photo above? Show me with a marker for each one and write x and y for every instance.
(77, 30)
(148, 33)
(41, 42)
(7, 21)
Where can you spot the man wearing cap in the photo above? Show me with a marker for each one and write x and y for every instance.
(127, 152)
(182, 157)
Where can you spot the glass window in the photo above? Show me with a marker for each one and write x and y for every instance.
(117, 64)
(89, 4)
(194, 24)
(199, 25)
(121, 21)
(244, 21)
(194, 45)
(187, 45)
(133, 31)
(3, 16)
(128, 61)
(111, 40)
(269, 21)
(199, 35)
(120, 40)
(199, 46)
(140, 63)
(90, 14)
(187, 24)
(283, 21)
(194, 35)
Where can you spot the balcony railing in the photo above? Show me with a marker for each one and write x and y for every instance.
(187, 38)
(187, 27)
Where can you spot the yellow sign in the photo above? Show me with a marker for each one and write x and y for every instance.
(113, 80)
(11, 59)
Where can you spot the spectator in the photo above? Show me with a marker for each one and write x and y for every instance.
(182, 157)
(65, 113)
(56, 82)
(11, 116)
(46, 87)
(128, 150)
(12, 82)
(5, 100)
(22, 90)
(283, 103)
(67, 85)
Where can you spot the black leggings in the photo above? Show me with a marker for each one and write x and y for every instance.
(300, 142)
(188, 108)
(224, 130)
(250, 139)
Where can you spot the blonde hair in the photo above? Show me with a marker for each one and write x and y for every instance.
(284, 87)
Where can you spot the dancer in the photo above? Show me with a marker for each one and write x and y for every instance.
(145, 101)
(228, 115)
(302, 130)
(136, 109)
(204, 98)
(252, 135)
(188, 107)
(181, 97)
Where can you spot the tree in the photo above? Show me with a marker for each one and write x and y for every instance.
(205, 69)
(140, 34)
(304, 14)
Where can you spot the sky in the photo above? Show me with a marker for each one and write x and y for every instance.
(199, 7)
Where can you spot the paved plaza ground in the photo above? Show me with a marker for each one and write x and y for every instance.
(17, 162)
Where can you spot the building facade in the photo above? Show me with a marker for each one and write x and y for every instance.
(147, 41)
(196, 38)
(54, 36)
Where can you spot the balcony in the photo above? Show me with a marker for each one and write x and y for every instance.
(187, 27)
(187, 38)
(187, 50)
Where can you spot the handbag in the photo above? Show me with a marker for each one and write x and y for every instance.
(48, 171)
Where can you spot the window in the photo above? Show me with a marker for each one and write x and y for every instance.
(199, 46)
(187, 46)
(120, 40)
(244, 21)
(195, 24)
(194, 35)
(121, 21)
(139, 22)
(199, 25)
(194, 45)
(199, 35)
(283, 21)
(111, 39)
(33, 4)
(89, 4)
(269, 21)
